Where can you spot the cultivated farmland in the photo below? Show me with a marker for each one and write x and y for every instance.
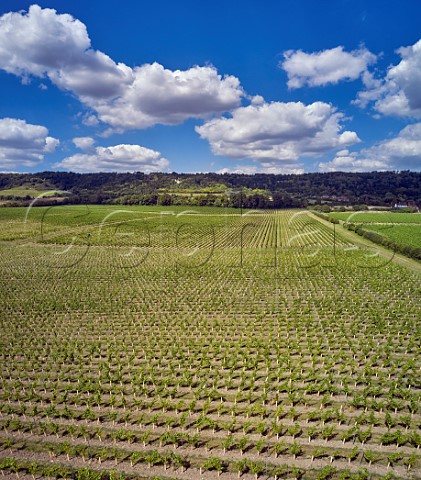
(161, 343)
(398, 231)
(378, 217)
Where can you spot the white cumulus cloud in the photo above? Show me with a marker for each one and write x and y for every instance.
(24, 144)
(277, 134)
(84, 143)
(346, 161)
(117, 158)
(399, 92)
(43, 43)
(159, 95)
(327, 66)
(402, 152)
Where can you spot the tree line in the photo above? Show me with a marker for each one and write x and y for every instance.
(225, 190)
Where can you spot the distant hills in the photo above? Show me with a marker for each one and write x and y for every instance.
(228, 189)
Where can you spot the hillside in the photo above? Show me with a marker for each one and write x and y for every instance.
(226, 190)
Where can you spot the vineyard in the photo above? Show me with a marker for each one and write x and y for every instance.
(402, 234)
(159, 343)
(378, 217)
(398, 231)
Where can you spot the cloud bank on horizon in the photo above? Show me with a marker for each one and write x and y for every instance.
(275, 136)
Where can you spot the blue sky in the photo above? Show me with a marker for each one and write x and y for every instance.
(253, 86)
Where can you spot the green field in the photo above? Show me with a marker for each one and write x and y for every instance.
(377, 217)
(397, 230)
(402, 234)
(28, 192)
(172, 344)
